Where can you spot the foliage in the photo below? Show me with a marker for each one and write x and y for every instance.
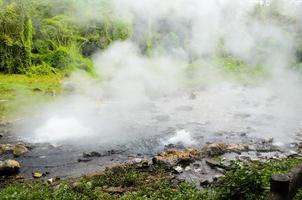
(39, 33)
(15, 37)
(249, 182)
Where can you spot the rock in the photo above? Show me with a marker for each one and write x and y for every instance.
(188, 168)
(91, 154)
(16, 149)
(294, 145)
(213, 164)
(217, 149)
(9, 167)
(37, 90)
(204, 183)
(175, 157)
(37, 174)
(214, 149)
(19, 149)
(178, 169)
(85, 159)
(52, 180)
(1, 136)
(137, 160)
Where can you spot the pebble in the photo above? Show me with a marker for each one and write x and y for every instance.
(178, 169)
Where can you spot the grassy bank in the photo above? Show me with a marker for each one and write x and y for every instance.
(19, 92)
(246, 182)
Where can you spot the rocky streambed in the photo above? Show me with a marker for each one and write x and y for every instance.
(202, 162)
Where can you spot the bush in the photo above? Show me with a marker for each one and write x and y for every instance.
(43, 69)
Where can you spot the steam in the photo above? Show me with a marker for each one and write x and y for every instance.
(144, 95)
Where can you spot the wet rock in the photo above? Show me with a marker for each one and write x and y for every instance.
(175, 157)
(85, 159)
(9, 167)
(217, 149)
(37, 174)
(19, 149)
(16, 149)
(91, 154)
(1, 136)
(174, 146)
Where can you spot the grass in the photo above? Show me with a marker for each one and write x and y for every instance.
(18, 92)
(246, 182)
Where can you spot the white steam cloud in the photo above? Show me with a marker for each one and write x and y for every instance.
(141, 96)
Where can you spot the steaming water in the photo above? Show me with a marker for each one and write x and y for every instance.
(143, 101)
(213, 114)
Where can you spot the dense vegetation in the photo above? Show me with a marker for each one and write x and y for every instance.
(42, 37)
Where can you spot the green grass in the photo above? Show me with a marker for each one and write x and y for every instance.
(135, 184)
(19, 92)
(246, 182)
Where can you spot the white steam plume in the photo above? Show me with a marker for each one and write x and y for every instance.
(144, 95)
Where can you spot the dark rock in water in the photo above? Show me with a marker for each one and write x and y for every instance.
(113, 152)
(1, 136)
(9, 167)
(91, 154)
(37, 174)
(16, 149)
(19, 149)
(85, 159)
(174, 146)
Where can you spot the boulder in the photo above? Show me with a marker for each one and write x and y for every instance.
(19, 149)
(16, 149)
(9, 167)
(175, 157)
(217, 149)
